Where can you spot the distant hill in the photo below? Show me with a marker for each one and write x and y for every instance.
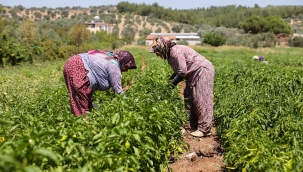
(139, 23)
(110, 14)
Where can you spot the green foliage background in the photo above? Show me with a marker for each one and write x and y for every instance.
(25, 38)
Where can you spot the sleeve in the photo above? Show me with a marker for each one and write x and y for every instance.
(175, 81)
(114, 76)
(172, 77)
(179, 63)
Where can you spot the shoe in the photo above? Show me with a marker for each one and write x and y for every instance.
(190, 130)
(198, 133)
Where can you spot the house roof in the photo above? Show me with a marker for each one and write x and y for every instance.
(152, 37)
(97, 23)
(188, 37)
(174, 34)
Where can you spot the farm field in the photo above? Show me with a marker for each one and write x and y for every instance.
(258, 115)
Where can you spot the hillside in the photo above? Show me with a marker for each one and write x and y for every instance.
(138, 23)
(131, 24)
(144, 25)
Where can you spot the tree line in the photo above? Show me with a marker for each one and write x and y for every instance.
(225, 16)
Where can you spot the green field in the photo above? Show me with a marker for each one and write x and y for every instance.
(258, 114)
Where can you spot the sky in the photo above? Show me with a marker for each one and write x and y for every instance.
(174, 4)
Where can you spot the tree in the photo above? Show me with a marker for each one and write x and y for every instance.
(214, 39)
(128, 33)
(38, 15)
(258, 24)
(158, 30)
(254, 25)
(29, 30)
(276, 25)
(3, 40)
(115, 30)
(64, 13)
(176, 29)
(79, 34)
(256, 6)
(103, 36)
(144, 32)
(109, 19)
(50, 34)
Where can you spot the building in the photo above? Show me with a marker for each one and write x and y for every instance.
(96, 25)
(296, 34)
(191, 38)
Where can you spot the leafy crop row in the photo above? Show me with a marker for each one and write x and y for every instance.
(259, 110)
(133, 132)
(258, 114)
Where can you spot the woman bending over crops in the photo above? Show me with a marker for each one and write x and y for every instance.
(87, 72)
(259, 58)
(199, 75)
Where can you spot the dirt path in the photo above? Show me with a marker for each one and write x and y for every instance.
(207, 152)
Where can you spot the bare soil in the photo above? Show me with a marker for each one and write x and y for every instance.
(208, 152)
(209, 155)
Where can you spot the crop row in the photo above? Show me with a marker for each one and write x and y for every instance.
(259, 110)
(258, 115)
(133, 132)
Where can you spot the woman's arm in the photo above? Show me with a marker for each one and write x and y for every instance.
(114, 76)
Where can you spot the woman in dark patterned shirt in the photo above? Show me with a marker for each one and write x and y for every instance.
(87, 72)
(199, 75)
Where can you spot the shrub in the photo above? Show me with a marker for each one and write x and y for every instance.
(214, 39)
(182, 42)
(176, 29)
(158, 30)
(138, 20)
(144, 32)
(141, 41)
(297, 41)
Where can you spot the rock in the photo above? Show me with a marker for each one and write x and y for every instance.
(196, 149)
(192, 156)
(207, 151)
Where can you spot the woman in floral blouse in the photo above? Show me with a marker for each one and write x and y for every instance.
(87, 72)
(199, 73)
